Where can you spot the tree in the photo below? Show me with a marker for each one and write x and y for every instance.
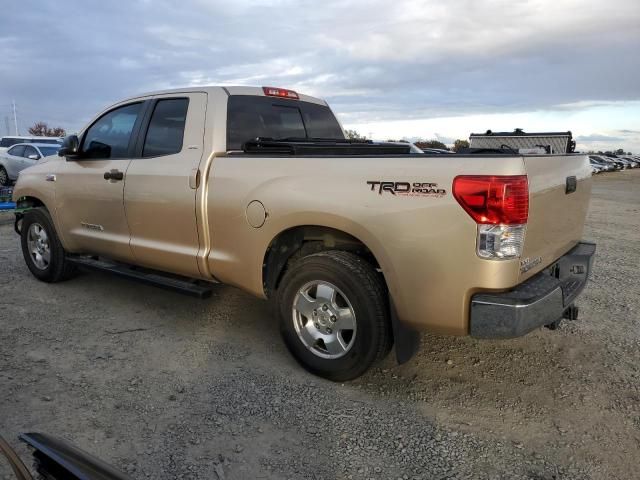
(619, 151)
(460, 144)
(432, 144)
(41, 129)
(353, 135)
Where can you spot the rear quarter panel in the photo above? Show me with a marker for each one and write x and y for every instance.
(425, 245)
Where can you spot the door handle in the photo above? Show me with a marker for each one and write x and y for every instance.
(194, 178)
(113, 175)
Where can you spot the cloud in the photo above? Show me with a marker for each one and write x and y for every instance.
(374, 60)
(594, 137)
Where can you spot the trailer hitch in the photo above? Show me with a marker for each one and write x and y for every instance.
(570, 313)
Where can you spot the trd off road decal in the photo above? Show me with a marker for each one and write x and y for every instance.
(406, 189)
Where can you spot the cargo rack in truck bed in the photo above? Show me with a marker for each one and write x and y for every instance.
(323, 146)
(551, 142)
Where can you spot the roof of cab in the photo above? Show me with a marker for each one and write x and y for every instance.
(230, 90)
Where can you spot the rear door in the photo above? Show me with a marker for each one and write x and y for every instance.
(90, 190)
(559, 192)
(160, 191)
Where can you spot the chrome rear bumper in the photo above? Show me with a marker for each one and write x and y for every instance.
(541, 300)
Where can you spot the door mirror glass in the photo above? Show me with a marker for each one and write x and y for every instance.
(70, 147)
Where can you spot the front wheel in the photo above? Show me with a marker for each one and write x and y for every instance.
(333, 313)
(41, 248)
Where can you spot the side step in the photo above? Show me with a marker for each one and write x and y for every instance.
(186, 286)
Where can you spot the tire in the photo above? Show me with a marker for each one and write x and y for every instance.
(4, 177)
(41, 248)
(315, 323)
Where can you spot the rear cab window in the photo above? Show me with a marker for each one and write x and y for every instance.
(249, 117)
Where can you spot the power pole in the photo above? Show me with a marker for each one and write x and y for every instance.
(15, 117)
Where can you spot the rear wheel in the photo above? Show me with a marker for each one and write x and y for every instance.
(334, 314)
(4, 177)
(41, 248)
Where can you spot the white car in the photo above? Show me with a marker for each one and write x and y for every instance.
(23, 155)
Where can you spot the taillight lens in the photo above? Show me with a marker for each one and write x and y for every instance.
(494, 200)
(500, 207)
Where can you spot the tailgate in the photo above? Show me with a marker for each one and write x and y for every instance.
(556, 213)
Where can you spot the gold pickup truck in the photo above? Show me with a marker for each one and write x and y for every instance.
(359, 245)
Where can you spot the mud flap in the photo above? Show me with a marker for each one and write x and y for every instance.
(406, 339)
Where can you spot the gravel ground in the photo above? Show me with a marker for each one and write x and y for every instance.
(164, 386)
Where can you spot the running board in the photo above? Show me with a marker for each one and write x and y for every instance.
(186, 286)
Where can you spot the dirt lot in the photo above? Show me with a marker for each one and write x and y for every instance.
(165, 386)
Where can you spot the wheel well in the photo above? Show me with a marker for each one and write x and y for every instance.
(29, 202)
(297, 242)
(22, 205)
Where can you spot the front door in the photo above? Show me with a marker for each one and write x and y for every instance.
(30, 157)
(90, 190)
(160, 193)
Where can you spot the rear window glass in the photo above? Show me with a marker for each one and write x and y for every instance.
(249, 117)
(166, 129)
(16, 151)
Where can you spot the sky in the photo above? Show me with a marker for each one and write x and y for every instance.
(389, 69)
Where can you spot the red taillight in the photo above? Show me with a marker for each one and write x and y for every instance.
(280, 92)
(494, 200)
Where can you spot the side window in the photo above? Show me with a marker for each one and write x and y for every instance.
(16, 151)
(166, 128)
(29, 150)
(110, 135)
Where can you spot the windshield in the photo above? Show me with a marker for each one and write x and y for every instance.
(46, 151)
(249, 117)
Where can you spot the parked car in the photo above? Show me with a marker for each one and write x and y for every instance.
(625, 163)
(604, 165)
(614, 158)
(23, 155)
(615, 165)
(9, 140)
(632, 161)
(358, 245)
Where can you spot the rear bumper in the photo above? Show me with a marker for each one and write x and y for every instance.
(539, 301)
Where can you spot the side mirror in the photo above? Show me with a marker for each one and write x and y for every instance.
(33, 157)
(70, 147)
